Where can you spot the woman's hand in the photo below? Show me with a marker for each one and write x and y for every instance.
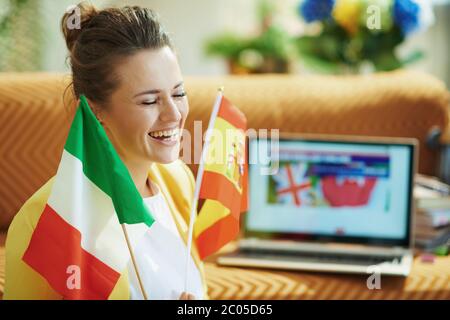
(187, 296)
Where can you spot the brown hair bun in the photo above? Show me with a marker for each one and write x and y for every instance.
(100, 39)
(75, 20)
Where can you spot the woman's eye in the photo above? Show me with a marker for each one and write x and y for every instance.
(151, 102)
(180, 95)
(148, 103)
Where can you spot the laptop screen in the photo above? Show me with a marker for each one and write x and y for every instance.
(331, 190)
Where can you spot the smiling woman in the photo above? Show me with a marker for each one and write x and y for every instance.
(149, 104)
(124, 64)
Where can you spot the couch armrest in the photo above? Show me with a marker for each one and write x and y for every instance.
(446, 134)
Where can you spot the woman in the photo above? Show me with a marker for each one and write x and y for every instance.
(124, 63)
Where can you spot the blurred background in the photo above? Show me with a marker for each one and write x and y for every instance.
(217, 37)
(336, 67)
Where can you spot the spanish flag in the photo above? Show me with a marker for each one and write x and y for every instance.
(224, 179)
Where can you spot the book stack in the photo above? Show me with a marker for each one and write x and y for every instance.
(432, 220)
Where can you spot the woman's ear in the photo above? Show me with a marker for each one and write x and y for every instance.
(97, 110)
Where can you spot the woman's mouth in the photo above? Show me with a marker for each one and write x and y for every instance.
(168, 137)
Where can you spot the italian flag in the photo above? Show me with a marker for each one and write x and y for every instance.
(79, 231)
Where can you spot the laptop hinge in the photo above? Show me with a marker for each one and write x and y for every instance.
(289, 245)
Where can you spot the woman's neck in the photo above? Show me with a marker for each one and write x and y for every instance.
(139, 174)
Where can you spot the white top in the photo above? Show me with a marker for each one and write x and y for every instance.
(161, 258)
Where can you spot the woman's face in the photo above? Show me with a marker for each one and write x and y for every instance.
(147, 112)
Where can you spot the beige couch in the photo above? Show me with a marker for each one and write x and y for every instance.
(34, 119)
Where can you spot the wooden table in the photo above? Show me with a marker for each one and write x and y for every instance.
(426, 281)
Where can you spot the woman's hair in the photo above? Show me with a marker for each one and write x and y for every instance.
(101, 39)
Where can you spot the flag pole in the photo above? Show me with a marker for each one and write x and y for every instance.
(133, 260)
(198, 181)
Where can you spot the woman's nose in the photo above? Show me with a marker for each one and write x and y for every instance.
(170, 112)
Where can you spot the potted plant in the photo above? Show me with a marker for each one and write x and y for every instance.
(267, 52)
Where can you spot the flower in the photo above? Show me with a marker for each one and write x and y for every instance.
(313, 10)
(384, 8)
(406, 15)
(413, 15)
(347, 14)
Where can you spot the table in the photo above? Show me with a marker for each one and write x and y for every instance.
(426, 281)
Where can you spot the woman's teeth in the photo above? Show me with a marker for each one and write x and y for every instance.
(165, 134)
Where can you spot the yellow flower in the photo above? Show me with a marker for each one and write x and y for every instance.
(347, 13)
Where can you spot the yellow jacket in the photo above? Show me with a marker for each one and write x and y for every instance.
(176, 183)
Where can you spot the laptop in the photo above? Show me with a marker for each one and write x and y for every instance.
(329, 204)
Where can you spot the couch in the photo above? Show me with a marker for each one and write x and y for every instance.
(34, 116)
(34, 121)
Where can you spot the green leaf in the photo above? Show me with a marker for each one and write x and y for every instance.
(386, 61)
(413, 57)
(226, 45)
(320, 65)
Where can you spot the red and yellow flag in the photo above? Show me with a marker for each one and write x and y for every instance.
(224, 184)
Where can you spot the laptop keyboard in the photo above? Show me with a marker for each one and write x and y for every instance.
(354, 259)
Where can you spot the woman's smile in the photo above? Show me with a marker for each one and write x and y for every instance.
(166, 136)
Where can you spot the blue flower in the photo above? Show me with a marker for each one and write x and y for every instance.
(313, 10)
(407, 15)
